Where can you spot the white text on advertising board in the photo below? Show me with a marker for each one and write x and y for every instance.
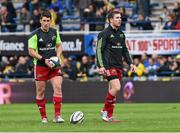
(11, 46)
(72, 46)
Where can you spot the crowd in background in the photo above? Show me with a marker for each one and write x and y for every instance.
(84, 67)
(93, 12)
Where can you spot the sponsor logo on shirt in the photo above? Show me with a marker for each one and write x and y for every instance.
(116, 46)
(49, 45)
(121, 35)
(112, 36)
(40, 40)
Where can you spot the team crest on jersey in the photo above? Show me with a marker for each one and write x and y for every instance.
(40, 40)
(53, 38)
(121, 35)
(49, 45)
(111, 36)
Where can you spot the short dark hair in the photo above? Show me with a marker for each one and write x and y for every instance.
(45, 13)
(112, 13)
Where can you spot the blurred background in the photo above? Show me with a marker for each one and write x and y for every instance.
(152, 29)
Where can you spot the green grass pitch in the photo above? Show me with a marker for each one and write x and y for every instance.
(135, 118)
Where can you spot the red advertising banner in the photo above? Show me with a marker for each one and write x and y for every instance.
(158, 43)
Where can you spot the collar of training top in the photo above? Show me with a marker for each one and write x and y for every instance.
(110, 27)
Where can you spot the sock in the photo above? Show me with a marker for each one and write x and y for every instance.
(109, 104)
(57, 101)
(111, 108)
(42, 107)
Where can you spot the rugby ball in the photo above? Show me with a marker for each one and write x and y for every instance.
(55, 61)
(77, 117)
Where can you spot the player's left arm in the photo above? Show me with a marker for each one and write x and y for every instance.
(58, 45)
(127, 56)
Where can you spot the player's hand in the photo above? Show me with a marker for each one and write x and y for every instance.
(133, 68)
(47, 63)
(102, 71)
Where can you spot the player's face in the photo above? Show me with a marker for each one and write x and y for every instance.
(116, 20)
(45, 23)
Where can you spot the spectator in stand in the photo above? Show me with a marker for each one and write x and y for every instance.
(144, 59)
(151, 69)
(124, 18)
(90, 16)
(34, 21)
(108, 4)
(100, 19)
(176, 10)
(93, 70)
(65, 67)
(83, 71)
(140, 69)
(171, 23)
(56, 18)
(81, 5)
(159, 25)
(34, 5)
(30, 66)
(176, 65)
(9, 68)
(143, 7)
(170, 60)
(7, 21)
(164, 69)
(143, 23)
(92, 67)
(70, 71)
(10, 7)
(45, 3)
(69, 7)
(24, 16)
(165, 13)
(26, 4)
(4, 62)
(155, 58)
(21, 68)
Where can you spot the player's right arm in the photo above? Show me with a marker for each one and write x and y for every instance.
(99, 52)
(33, 50)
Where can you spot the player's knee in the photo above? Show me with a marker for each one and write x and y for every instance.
(40, 94)
(57, 93)
(57, 90)
(117, 87)
(57, 87)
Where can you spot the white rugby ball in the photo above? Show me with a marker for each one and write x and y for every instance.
(55, 61)
(77, 117)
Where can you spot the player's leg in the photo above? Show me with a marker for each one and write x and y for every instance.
(114, 88)
(41, 76)
(40, 100)
(113, 91)
(57, 98)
